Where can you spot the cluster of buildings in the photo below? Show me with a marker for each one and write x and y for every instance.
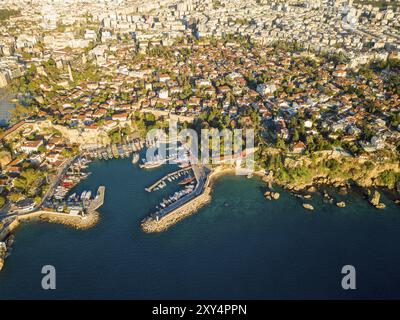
(187, 80)
(362, 31)
(161, 58)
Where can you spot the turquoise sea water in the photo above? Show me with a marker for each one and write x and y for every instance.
(238, 246)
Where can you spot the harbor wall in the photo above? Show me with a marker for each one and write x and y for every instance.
(77, 222)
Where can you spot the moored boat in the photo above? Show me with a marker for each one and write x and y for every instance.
(186, 181)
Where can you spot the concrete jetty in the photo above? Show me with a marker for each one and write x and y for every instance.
(77, 221)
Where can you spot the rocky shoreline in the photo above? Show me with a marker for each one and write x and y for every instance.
(319, 183)
(150, 226)
(371, 194)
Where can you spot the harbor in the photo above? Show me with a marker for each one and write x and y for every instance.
(182, 203)
(75, 210)
(74, 204)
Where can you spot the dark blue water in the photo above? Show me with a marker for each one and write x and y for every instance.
(239, 246)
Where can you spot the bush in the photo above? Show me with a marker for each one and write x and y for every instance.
(332, 164)
(388, 178)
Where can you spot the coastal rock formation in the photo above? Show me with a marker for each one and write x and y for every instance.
(271, 195)
(268, 178)
(380, 206)
(312, 189)
(343, 190)
(308, 206)
(327, 197)
(341, 179)
(374, 198)
(275, 195)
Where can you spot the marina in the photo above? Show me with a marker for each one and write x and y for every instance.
(185, 172)
(239, 224)
(180, 199)
(179, 156)
(74, 204)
